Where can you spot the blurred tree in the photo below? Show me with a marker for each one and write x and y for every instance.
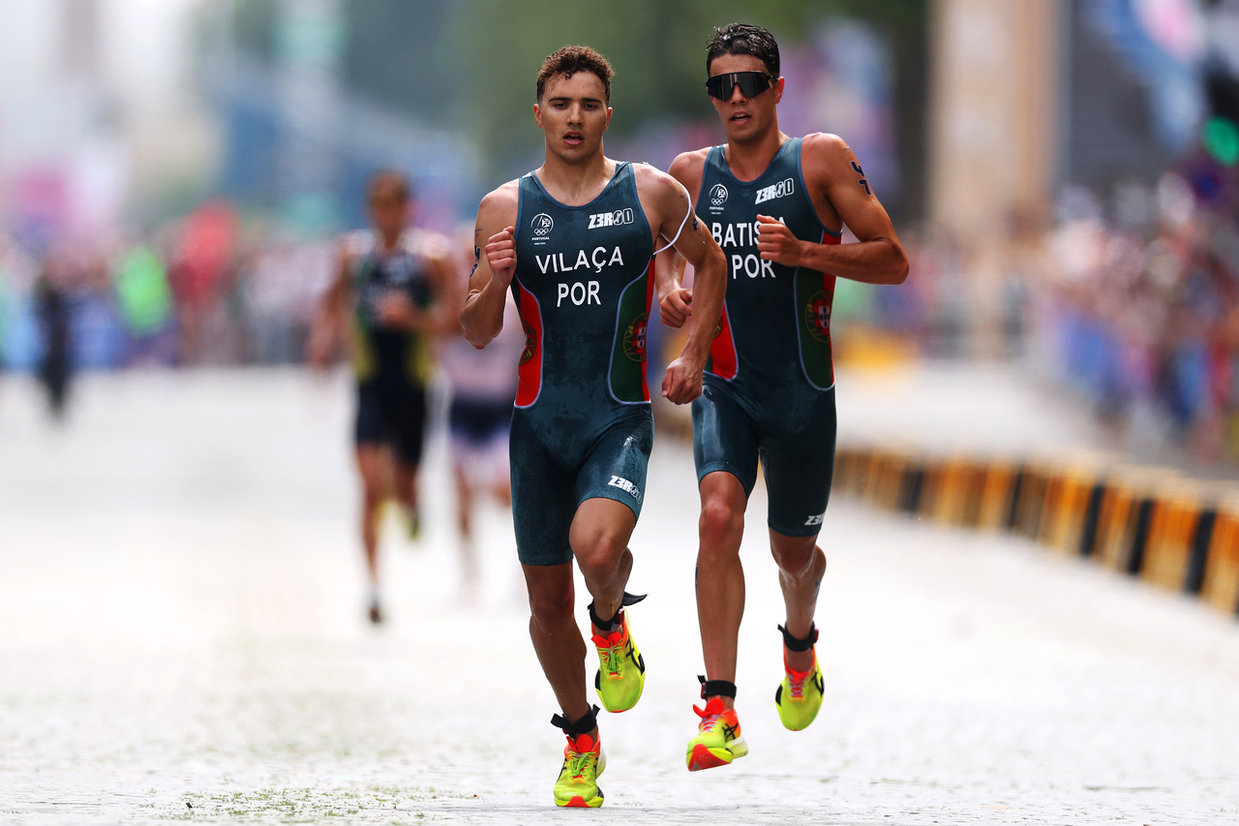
(397, 55)
(658, 51)
(253, 25)
(472, 63)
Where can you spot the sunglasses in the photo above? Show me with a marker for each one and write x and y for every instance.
(751, 84)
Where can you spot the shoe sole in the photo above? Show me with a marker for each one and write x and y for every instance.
(703, 757)
(579, 802)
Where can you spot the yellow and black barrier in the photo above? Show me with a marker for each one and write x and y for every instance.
(1147, 522)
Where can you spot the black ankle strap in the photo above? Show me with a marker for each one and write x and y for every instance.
(583, 726)
(794, 644)
(716, 688)
(613, 623)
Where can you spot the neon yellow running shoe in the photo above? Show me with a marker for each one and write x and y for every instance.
(799, 696)
(718, 739)
(577, 786)
(621, 675)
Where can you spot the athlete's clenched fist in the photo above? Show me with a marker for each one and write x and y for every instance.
(676, 306)
(775, 242)
(682, 381)
(501, 255)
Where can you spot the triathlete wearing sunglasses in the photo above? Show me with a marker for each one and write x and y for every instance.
(777, 206)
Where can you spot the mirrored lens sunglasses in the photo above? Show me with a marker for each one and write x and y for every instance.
(751, 84)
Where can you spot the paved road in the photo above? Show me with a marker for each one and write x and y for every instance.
(181, 638)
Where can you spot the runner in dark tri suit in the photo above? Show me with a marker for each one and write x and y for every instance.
(777, 206)
(397, 281)
(575, 241)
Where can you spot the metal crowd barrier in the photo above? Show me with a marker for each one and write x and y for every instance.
(1148, 522)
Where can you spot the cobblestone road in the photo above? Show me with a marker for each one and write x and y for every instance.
(181, 638)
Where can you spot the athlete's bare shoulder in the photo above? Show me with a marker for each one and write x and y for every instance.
(688, 168)
(500, 204)
(822, 152)
(653, 180)
(434, 245)
(352, 246)
(662, 192)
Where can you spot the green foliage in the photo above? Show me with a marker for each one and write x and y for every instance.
(472, 63)
(657, 48)
(253, 26)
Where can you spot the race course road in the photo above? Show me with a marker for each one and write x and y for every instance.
(182, 638)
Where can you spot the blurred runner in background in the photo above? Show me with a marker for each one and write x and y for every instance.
(56, 364)
(483, 384)
(390, 296)
(777, 206)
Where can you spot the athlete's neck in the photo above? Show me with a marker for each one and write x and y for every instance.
(576, 184)
(389, 240)
(747, 160)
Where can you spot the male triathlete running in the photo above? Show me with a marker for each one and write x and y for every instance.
(575, 240)
(777, 206)
(396, 281)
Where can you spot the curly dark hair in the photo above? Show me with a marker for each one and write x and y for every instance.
(743, 38)
(572, 59)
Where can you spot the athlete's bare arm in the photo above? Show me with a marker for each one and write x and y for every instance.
(841, 195)
(494, 243)
(444, 317)
(330, 315)
(671, 210)
(674, 300)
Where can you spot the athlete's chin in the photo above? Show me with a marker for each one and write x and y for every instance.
(742, 131)
(573, 153)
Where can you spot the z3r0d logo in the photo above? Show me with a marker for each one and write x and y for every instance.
(611, 219)
(542, 224)
(780, 190)
(718, 197)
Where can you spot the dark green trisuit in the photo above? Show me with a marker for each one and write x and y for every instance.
(769, 383)
(392, 365)
(582, 427)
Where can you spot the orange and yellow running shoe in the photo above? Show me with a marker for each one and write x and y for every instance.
(718, 739)
(799, 696)
(577, 786)
(621, 673)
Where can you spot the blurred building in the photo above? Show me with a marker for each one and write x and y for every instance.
(95, 112)
(302, 134)
(1029, 97)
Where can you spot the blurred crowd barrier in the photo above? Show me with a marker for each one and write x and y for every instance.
(1148, 522)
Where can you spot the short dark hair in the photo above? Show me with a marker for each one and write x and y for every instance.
(572, 59)
(743, 38)
(392, 180)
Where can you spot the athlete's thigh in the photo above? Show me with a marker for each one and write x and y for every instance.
(799, 462)
(368, 425)
(543, 499)
(616, 466)
(371, 467)
(601, 524)
(723, 436)
(405, 425)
